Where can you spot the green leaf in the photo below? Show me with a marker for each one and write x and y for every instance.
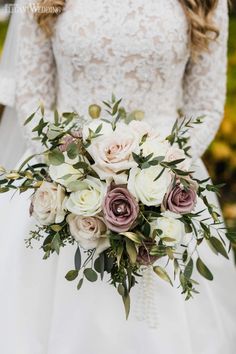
(72, 151)
(29, 119)
(90, 274)
(56, 242)
(99, 265)
(132, 236)
(56, 117)
(161, 272)
(109, 262)
(217, 244)
(231, 236)
(74, 186)
(56, 157)
(77, 259)
(203, 270)
(72, 275)
(121, 290)
(126, 301)
(80, 283)
(189, 269)
(131, 250)
(146, 229)
(4, 190)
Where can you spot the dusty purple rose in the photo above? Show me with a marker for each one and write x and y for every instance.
(180, 200)
(144, 257)
(120, 209)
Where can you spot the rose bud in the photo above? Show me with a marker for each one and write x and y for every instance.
(144, 257)
(94, 111)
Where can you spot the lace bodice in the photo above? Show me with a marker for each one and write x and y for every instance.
(138, 49)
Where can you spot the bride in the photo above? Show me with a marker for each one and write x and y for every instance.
(163, 57)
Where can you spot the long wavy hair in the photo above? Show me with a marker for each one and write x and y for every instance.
(199, 14)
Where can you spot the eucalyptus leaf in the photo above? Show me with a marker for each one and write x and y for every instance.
(56, 157)
(72, 151)
(72, 275)
(90, 274)
(77, 259)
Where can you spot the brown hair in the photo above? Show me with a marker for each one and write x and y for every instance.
(198, 12)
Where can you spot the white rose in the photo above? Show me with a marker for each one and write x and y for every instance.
(89, 232)
(143, 128)
(113, 153)
(171, 228)
(66, 170)
(48, 203)
(144, 187)
(88, 198)
(155, 146)
(174, 153)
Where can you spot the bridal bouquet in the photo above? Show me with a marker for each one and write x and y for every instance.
(123, 194)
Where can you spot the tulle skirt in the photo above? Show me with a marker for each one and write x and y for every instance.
(42, 313)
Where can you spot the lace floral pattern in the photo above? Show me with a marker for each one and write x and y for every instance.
(135, 48)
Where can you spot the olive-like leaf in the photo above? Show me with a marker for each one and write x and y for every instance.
(218, 246)
(203, 270)
(132, 236)
(189, 269)
(126, 301)
(131, 250)
(162, 273)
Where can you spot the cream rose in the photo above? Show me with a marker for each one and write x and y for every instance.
(89, 232)
(48, 204)
(113, 153)
(144, 187)
(171, 227)
(174, 153)
(143, 128)
(88, 199)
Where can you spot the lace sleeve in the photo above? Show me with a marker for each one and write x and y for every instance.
(36, 74)
(205, 86)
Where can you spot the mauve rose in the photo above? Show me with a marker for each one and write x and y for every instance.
(120, 208)
(180, 200)
(143, 257)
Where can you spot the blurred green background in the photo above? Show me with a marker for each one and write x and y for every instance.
(221, 155)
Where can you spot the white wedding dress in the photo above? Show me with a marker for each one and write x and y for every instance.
(138, 49)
